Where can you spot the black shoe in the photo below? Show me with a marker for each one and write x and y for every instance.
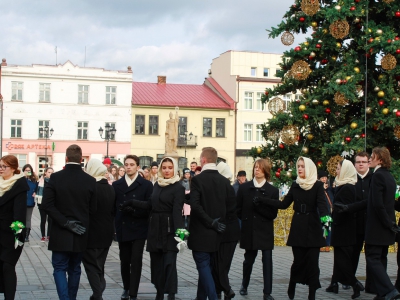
(159, 296)
(311, 293)
(392, 295)
(268, 297)
(171, 296)
(346, 287)
(360, 285)
(231, 294)
(333, 288)
(243, 291)
(125, 295)
(356, 291)
(291, 290)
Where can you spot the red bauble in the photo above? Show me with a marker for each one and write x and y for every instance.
(370, 40)
(327, 110)
(359, 26)
(381, 102)
(397, 14)
(277, 174)
(396, 38)
(279, 170)
(375, 127)
(282, 146)
(318, 46)
(398, 113)
(397, 77)
(357, 1)
(297, 49)
(324, 61)
(368, 55)
(305, 117)
(363, 135)
(348, 139)
(302, 19)
(266, 93)
(319, 163)
(311, 57)
(344, 81)
(397, 51)
(352, 8)
(389, 41)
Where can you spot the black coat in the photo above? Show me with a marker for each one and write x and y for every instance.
(257, 231)
(232, 231)
(362, 190)
(309, 206)
(380, 209)
(101, 228)
(397, 208)
(209, 194)
(69, 195)
(132, 226)
(12, 208)
(344, 224)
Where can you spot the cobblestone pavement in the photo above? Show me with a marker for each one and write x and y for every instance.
(35, 278)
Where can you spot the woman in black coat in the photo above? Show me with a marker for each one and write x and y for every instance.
(344, 229)
(166, 205)
(13, 189)
(257, 232)
(306, 234)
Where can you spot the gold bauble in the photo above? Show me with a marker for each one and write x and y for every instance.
(325, 102)
(302, 107)
(368, 110)
(305, 150)
(357, 69)
(338, 45)
(289, 174)
(377, 89)
(314, 24)
(324, 31)
(334, 58)
(381, 76)
(381, 94)
(353, 125)
(348, 78)
(259, 150)
(377, 39)
(379, 32)
(289, 134)
(310, 136)
(306, 44)
(396, 131)
(385, 111)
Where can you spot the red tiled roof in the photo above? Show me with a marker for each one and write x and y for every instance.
(207, 95)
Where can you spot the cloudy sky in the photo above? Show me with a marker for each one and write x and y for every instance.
(176, 38)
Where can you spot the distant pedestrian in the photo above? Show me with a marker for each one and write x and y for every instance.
(121, 172)
(193, 166)
(185, 181)
(197, 171)
(240, 179)
(154, 172)
(39, 198)
(31, 179)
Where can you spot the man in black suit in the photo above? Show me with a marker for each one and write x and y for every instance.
(69, 198)
(131, 225)
(209, 193)
(381, 222)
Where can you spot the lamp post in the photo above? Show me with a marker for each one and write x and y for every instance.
(46, 133)
(185, 138)
(109, 134)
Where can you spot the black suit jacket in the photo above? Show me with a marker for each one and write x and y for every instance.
(69, 195)
(209, 193)
(380, 209)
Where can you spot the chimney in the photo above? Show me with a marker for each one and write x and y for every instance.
(161, 79)
(3, 62)
(129, 69)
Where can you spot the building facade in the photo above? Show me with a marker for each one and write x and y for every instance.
(74, 102)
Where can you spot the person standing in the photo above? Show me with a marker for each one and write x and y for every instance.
(257, 232)
(381, 227)
(306, 233)
(193, 166)
(185, 181)
(68, 198)
(13, 189)
(31, 179)
(208, 200)
(323, 177)
(39, 197)
(131, 225)
(240, 179)
(154, 172)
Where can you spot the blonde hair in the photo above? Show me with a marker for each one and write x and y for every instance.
(210, 154)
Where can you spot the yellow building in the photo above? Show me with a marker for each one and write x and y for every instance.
(206, 118)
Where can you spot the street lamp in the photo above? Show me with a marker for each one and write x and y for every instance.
(185, 139)
(46, 133)
(109, 134)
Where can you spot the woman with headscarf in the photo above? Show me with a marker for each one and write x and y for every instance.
(344, 229)
(101, 229)
(165, 218)
(306, 232)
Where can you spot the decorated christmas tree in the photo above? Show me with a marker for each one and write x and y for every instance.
(348, 75)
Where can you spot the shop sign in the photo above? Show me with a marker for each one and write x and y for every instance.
(26, 146)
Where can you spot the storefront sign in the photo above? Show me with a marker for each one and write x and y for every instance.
(26, 146)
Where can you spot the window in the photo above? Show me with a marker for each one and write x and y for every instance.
(16, 128)
(259, 104)
(42, 164)
(153, 125)
(182, 126)
(248, 100)
(253, 72)
(159, 158)
(83, 94)
(44, 92)
(259, 137)
(220, 129)
(287, 99)
(145, 161)
(83, 130)
(43, 124)
(276, 72)
(266, 72)
(207, 127)
(21, 160)
(248, 131)
(139, 124)
(16, 90)
(182, 163)
(112, 125)
(111, 94)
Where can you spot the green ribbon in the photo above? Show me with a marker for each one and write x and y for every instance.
(326, 224)
(182, 233)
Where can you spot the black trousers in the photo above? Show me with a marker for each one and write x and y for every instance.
(164, 275)
(8, 280)
(43, 218)
(343, 271)
(221, 265)
(131, 255)
(377, 265)
(249, 258)
(93, 260)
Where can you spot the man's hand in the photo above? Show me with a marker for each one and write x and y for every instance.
(75, 226)
(126, 207)
(340, 208)
(395, 228)
(217, 226)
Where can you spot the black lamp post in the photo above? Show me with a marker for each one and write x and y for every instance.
(46, 132)
(109, 134)
(185, 138)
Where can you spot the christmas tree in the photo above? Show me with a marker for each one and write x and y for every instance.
(348, 74)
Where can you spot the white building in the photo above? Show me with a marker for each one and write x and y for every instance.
(73, 101)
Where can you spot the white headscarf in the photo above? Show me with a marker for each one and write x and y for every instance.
(225, 170)
(175, 178)
(311, 174)
(96, 169)
(348, 174)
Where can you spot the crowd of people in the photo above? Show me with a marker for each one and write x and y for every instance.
(146, 206)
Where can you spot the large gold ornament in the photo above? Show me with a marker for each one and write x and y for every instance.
(339, 29)
(397, 131)
(388, 1)
(332, 164)
(287, 38)
(388, 62)
(289, 134)
(340, 99)
(310, 7)
(282, 226)
(276, 106)
(273, 135)
(300, 70)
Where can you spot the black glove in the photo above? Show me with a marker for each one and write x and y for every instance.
(256, 201)
(340, 208)
(395, 228)
(217, 226)
(75, 226)
(126, 207)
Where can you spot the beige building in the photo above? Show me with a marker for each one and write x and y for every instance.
(245, 75)
(206, 118)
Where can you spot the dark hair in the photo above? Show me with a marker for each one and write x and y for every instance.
(193, 162)
(74, 153)
(134, 157)
(12, 162)
(48, 168)
(361, 154)
(167, 160)
(265, 167)
(210, 154)
(33, 177)
(383, 154)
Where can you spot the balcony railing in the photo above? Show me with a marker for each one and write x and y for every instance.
(192, 143)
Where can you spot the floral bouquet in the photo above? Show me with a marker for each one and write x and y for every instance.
(326, 225)
(17, 227)
(181, 235)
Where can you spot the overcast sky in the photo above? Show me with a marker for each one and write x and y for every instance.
(176, 38)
